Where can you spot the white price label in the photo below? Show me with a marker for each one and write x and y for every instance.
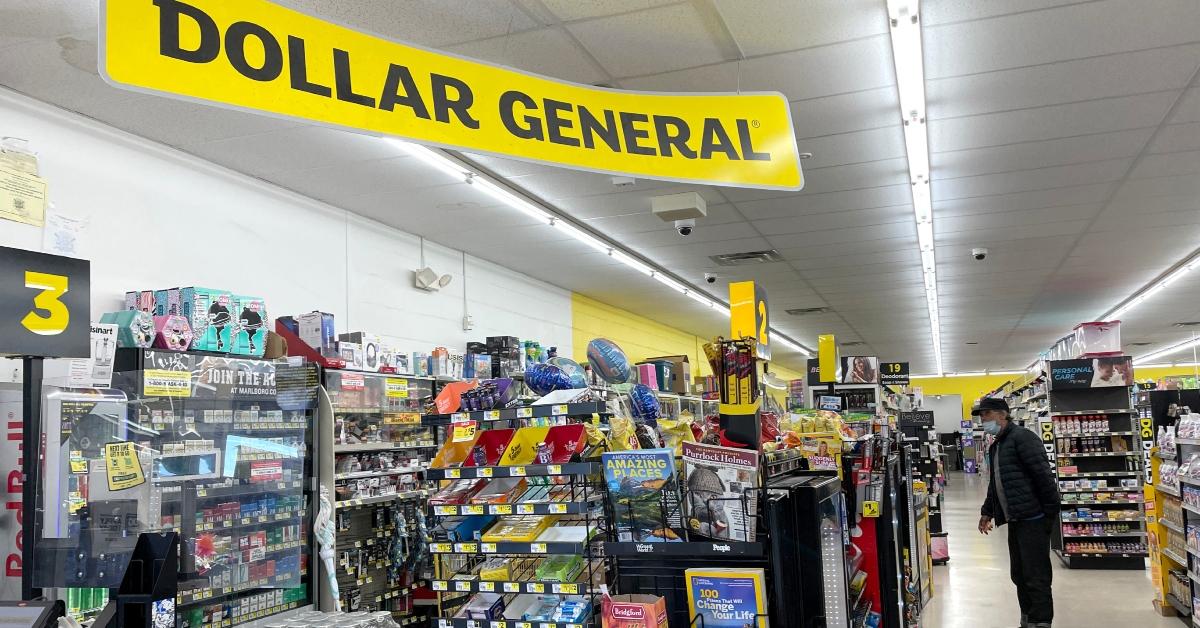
(512, 587)
(453, 474)
(445, 510)
(558, 509)
(472, 510)
(441, 548)
(500, 509)
(462, 585)
(484, 472)
(439, 585)
(554, 469)
(537, 587)
(488, 548)
(537, 548)
(459, 417)
(516, 472)
(487, 587)
(466, 548)
(525, 509)
(559, 410)
(524, 413)
(493, 415)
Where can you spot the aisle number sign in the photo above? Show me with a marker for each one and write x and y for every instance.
(123, 468)
(893, 373)
(45, 305)
(260, 56)
(748, 315)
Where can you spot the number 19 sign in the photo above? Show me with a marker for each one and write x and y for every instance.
(45, 304)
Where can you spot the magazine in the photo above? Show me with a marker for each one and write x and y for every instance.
(644, 494)
(719, 506)
(727, 598)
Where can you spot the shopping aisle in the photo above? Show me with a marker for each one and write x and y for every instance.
(973, 590)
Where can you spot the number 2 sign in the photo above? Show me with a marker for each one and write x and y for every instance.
(748, 315)
(45, 304)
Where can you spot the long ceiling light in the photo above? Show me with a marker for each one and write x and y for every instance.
(910, 80)
(1175, 348)
(1153, 288)
(461, 172)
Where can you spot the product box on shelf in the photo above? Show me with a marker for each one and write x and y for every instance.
(634, 611)
(317, 331)
(249, 336)
(352, 353)
(1097, 339)
(680, 381)
(370, 344)
(209, 312)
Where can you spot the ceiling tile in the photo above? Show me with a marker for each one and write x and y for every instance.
(853, 147)
(629, 200)
(1071, 32)
(849, 235)
(871, 174)
(563, 183)
(835, 220)
(809, 203)
(1028, 155)
(1099, 116)
(1174, 138)
(1024, 180)
(1161, 165)
(936, 13)
(545, 51)
(1054, 197)
(646, 221)
(567, 10)
(298, 148)
(864, 64)
(632, 44)
(705, 233)
(1188, 109)
(422, 22)
(770, 26)
(842, 113)
(996, 220)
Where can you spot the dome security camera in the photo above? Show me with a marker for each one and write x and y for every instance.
(979, 254)
(684, 227)
(710, 278)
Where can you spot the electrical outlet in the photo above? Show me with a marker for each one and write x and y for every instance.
(468, 323)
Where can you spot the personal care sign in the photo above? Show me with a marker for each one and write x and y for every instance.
(259, 56)
(1091, 373)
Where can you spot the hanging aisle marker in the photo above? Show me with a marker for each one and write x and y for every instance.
(260, 56)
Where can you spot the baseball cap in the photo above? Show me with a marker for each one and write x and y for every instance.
(990, 403)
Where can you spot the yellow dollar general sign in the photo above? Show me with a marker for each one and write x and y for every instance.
(252, 54)
(748, 317)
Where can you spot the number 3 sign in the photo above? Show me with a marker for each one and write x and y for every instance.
(45, 304)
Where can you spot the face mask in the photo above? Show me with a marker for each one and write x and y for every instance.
(992, 427)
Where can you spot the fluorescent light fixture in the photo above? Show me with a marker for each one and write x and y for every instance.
(510, 199)
(789, 343)
(1176, 348)
(1153, 288)
(632, 262)
(582, 236)
(434, 159)
(910, 79)
(700, 298)
(668, 282)
(1006, 372)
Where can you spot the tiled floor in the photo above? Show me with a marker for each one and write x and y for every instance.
(973, 590)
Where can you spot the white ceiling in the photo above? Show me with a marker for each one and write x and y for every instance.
(1064, 137)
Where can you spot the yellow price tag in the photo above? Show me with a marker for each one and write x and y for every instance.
(79, 466)
(466, 548)
(558, 509)
(472, 510)
(559, 410)
(487, 587)
(463, 432)
(871, 509)
(512, 587)
(462, 585)
(525, 509)
(524, 413)
(493, 415)
(484, 472)
(488, 548)
(402, 418)
(500, 509)
(397, 388)
(537, 548)
(554, 469)
(570, 588)
(441, 548)
(439, 585)
(516, 472)
(537, 587)
(453, 474)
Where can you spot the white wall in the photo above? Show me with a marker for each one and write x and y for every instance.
(161, 218)
(947, 412)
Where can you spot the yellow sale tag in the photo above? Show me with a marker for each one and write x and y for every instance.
(525, 509)
(500, 509)
(124, 470)
(487, 587)
(570, 589)
(870, 509)
(164, 383)
(558, 509)
(396, 388)
(524, 413)
(484, 472)
(559, 410)
(464, 432)
(439, 585)
(537, 548)
(493, 415)
(472, 510)
(453, 474)
(512, 587)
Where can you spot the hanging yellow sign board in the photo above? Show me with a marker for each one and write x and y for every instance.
(255, 55)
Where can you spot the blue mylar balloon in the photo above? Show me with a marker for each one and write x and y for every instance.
(573, 371)
(644, 403)
(608, 361)
(544, 378)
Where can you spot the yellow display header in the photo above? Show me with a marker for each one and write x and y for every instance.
(255, 55)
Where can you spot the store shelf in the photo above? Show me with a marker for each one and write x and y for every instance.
(252, 617)
(368, 447)
(244, 522)
(1182, 608)
(358, 475)
(549, 548)
(1167, 490)
(1087, 412)
(399, 591)
(1106, 554)
(1098, 454)
(527, 508)
(1097, 502)
(1187, 441)
(1193, 576)
(586, 408)
(1105, 536)
(1170, 553)
(1192, 509)
(1109, 489)
(1172, 526)
(1187, 480)
(380, 499)
(533, 470)
(694, 549)
(237, 490)
(200, 595)
(498, 586)
(1101, 433)
(1076, 519)
(458, 622)
(1100, 474)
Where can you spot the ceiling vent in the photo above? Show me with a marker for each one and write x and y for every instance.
(853, 343)
(801, 311)
(747, 258)
(1137, 344)
(1188, 324)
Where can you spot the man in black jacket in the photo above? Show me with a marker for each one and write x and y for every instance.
(1022, 492)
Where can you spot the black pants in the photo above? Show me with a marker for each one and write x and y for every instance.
(1029, 553)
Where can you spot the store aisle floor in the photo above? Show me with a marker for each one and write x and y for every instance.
(973, 589)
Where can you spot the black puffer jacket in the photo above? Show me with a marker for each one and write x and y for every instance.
(1029, 486)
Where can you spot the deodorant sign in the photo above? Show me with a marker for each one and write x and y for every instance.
(10, 514)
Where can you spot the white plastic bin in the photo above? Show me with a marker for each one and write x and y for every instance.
(1098, 339)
